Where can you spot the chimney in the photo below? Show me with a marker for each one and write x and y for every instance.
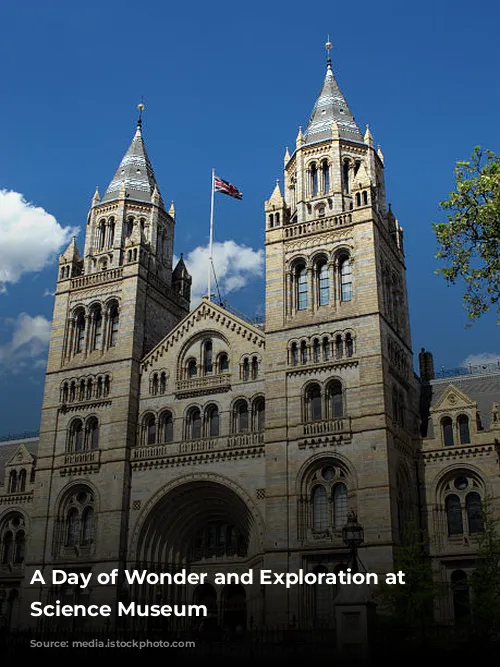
(426, 363)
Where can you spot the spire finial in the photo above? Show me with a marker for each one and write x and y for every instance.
(140, 109)
(328, 47)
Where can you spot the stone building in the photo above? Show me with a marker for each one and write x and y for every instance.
(175, 439)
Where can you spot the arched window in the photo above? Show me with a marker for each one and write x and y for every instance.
(463, 429)
(90, 386)
(473, 508)
(93, 433)
(316, 351)
(323, 282)
(194, 424)
(294, 354)
(7, 547)
(154, 384)
(88, 526)
(111, 235)
(241, 417)
(129, 227)
(301, 282)
(339, 347)
(166, 427)
(102, 235)
(345, 176)
(21, 483)
(271, 220)
(313, 403)
(80, 333)
(335, 400)
(97, 329)
(260, 415)
(192, 368)
(349, 345)
(76, 436)
(12, 539)
(207, 357)
(223, 363)
(212, 419)
(255, 368)
(365, 198)
(81, 392)
(149, 430)
(303, 352)
(325, 168)
(13, 481)
(314, 180)
(454, 515)
(358, 199)
(163, 382)
(320, 509)
(339, 505)
(447, 429)
(107, 385)
(98, 392)
(246, 370)
(20, 547)
(114, 320)
(326, 349)
(65, 393)
(73, 528)
(345, 279)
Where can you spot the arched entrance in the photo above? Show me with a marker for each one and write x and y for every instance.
(234, 607)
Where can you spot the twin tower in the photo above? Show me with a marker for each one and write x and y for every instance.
(189, 436)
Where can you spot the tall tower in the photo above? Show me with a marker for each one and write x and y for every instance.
(340, 395)
(112, 305)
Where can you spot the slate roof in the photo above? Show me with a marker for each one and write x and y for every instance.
(10, 447)
(331, 105)
(136, 171)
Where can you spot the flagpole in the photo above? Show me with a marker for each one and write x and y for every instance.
(211, 238)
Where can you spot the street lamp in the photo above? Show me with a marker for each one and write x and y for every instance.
(353, 535)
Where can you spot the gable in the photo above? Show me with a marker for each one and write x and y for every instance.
(20, 457)
(453, 399)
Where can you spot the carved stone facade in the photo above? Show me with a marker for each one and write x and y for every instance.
(177, 439)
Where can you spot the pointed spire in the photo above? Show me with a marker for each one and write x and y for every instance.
(368, 138)
(135, 171)
(171, 212)
(286, 159)
(300, 138)
(380, 154)
(96, 198)
(276, 196)
(331, 105)
(71, 254)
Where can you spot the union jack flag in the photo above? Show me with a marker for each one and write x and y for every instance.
(227, 188)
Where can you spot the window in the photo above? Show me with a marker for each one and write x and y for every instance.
(454, 515)
(154, 384)
(303, 352)
(102, 235)
(73, 528)
(97, 332)
(129, 227)
(345, 279)
(13, 481)
(212, 417)
(255, 368)
(260, 415)
(78, 514)
(447, 429)
(461, 599)
(326, 349)
(111, 235)
(301, 277)
(463, 504)
(316, 351)
(218, 539)
(327, 483)
(88, 394)
(323, 281)
(473, 507)
(76, 436)
(345, 176)
(463, 429)
(149, 430)
(223, 363)
(320, 509)
(88, 526)
(194, 424)
(166, 427)
(12, 540)
(313, 411)
(339, 347)
(335, 400)
(163, 382)
(241, 417)
(349, 345)
(207, 357)
(80, 333)
(92, 433)
(339, 505)
(314, 179)
(325, 168)
(21, 483)
(246, 370)
(114, 319)
(192, 368)
(294, 354)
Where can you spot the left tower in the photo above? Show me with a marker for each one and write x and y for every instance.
(113, 304)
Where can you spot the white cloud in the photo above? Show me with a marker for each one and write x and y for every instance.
(30, 237)
(49, 292)
(482, 359)
(27, 348)
(235, 267)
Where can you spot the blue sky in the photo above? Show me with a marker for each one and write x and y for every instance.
(229, 89)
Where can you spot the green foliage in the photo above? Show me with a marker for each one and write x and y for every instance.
(470, 241)
(411, 604)
(485, 580)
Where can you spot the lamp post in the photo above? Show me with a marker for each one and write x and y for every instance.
(353, 535)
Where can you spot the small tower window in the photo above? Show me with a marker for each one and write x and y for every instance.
(246, 370)
(96, 343)
(325, 168)
(80, 333)
(345, 279)
(213, 421)
(223, 363)
(111, 233)
(365, 197)
(349, 345)
(114, 322)
(314, 180)
(335, 400)
(102, 235)
(294, 354)
(323, 284)
(301, 288)
(345, 176)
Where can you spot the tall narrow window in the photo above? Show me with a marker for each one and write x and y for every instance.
(313, 403)
(20, 548)
(76, 436)
(195, 424)
(301, 288)
(326, 177)
(474, 511)
(167, 427)
(213, 421)
(192, 368)
(207, 357)
(345, 279)
(294, 352)
(114, 323)
(93, 434)
(97, 338)
(463, 428)
(73, 530)
(316, 351)
(150, 430)
(345, 176)
(335, 400)
(22, 481)
(454, 515)
(323, 284)
(8, 548)
(260, 414)
(461, 599)
(339, 347)
(241, 417)
(255, 368)
(111, 234)
(320, 508)
(246, 370)
(339, 506)
(314, 179)
(154, 384)
(326, 349)
(349, 345)
(163, 383)
(303, 352)
(102, 235)
(88, 526)
(223, 363)
(447, 428)
(80, 333)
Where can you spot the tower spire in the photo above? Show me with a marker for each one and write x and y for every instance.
(328, 47)
(140, 109)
